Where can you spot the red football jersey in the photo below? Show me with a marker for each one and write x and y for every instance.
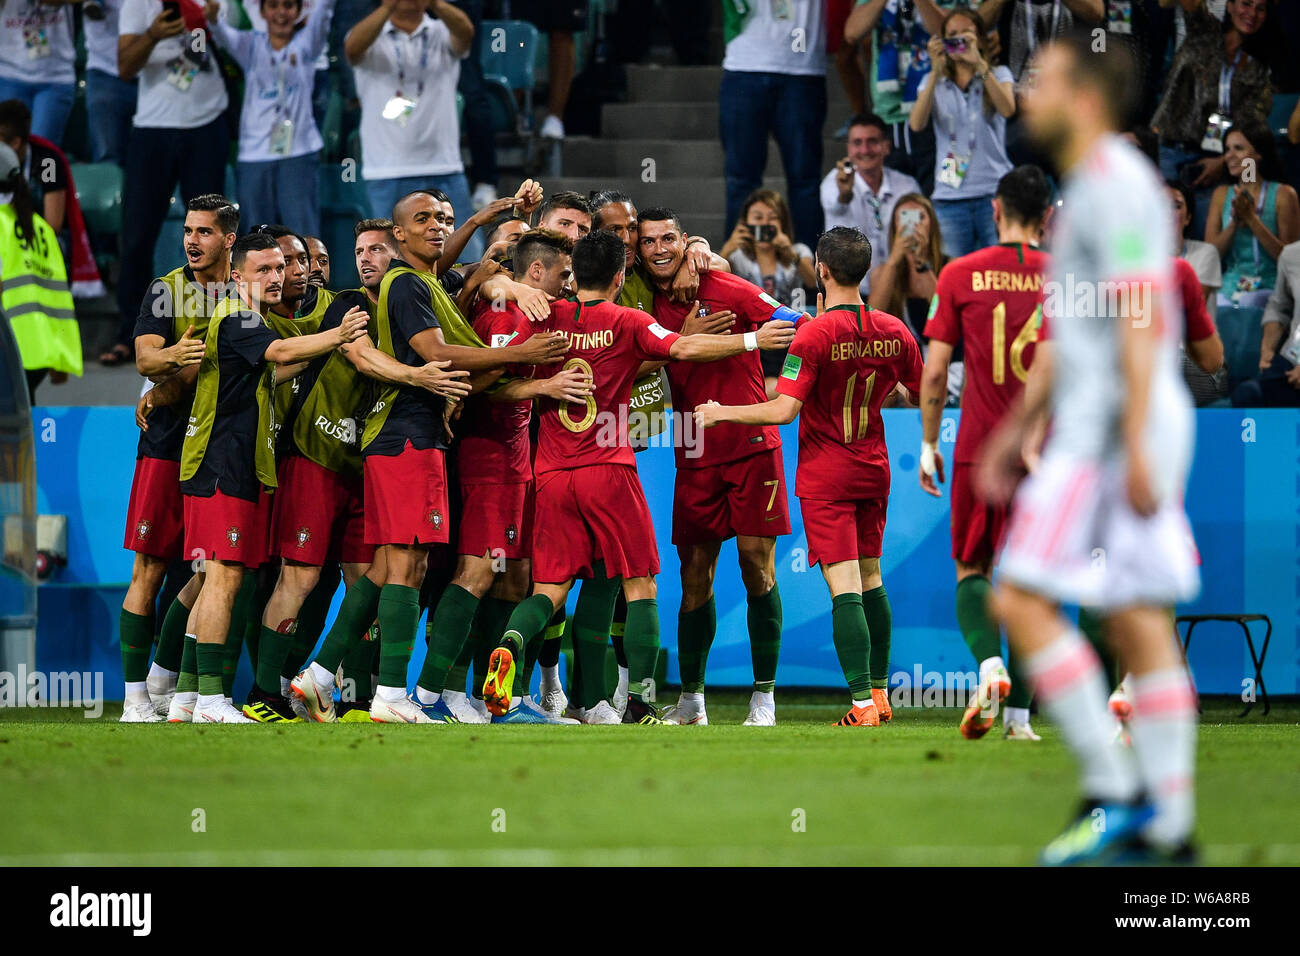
(841, 365)
(608, 342)
(494, 444)
(1198, 324)
(737, 380)
(991, 302)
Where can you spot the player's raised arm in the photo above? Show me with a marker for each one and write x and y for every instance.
(774, 336)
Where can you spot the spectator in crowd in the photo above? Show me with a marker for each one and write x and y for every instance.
(1025, 25)
(774, 82)
(110, 100)
(479, 132)
(38, 62)
(279, 143)
(860, 191)
(847, 55)
(179, 136)
(249, 15)
(407, 64)
(1278, 382)
(45, 176)
(1212, 78)
(900, 60)
(903, 283)
(559, 20)
(1251, 218)
(968, 102)
(761, 251)
(1202, 256)
(34, 293)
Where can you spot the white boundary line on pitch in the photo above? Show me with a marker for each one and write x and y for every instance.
(1220, 854)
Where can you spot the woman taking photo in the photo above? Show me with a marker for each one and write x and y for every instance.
(968, 101)
(1252, 218)
(903, 285)
(760, 249)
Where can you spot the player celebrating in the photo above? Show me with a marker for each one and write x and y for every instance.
(403, 447)
(318, 509)
(228, 456)
(319, 275)
(841, 367)
(495, 473)
(1111, 475)
(590, 504)
(729, 482)
(168, 337)
(989, 304)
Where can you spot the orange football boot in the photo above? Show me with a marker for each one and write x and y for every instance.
(880, 696)
(859, 717)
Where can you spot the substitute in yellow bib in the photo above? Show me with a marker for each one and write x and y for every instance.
(34, 294)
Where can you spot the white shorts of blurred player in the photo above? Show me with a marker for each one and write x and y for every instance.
(1074, 538)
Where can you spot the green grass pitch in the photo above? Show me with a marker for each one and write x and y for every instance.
(911, 793)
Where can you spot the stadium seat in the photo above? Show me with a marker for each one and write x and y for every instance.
(509, 61)
(99, 190)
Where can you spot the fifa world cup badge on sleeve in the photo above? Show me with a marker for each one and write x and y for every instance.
(791, 368)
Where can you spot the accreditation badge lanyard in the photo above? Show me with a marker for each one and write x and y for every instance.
(1031, 39)
(400, 107)
(955, 165)
(1217, 126)
(282, 123)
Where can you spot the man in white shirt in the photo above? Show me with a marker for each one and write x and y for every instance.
(861, 192)
(407, 64)
(180, 136)
(109, 98)
(774, 82)
(38, 62)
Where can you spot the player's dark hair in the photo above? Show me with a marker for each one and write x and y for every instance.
(1109, 71)
(597, 258)
(15, 120)
(376, 225)
(544, 244)
(566, 199)
(1025, 195)
(846, 253)
(494, 233)
(252, 242)
(660, 214)
(599, 199)
(1189, 203)
(278, 231)
(227, 212)
(869, 119)
(1148, 142)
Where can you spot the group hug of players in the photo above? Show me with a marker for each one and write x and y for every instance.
(295, 434)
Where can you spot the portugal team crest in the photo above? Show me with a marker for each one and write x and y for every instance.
(232, 535)
(303, 535)
(511, 533)
(143, 529)
(434, 517)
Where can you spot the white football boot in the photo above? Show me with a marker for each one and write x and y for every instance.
(140, 712)
(602, 713)
(690, 710)
(219, 712)
(404, 711)
(458, 703)
(181, 709)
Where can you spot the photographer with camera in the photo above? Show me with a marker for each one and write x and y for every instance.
(861, 191)
(968, 101)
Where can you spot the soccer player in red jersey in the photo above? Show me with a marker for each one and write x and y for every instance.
(168, 343)
(989, 303)
(404, 446)
(730, 482)
(228, 458)
(841, 367)
(496, 478)
(590, 506)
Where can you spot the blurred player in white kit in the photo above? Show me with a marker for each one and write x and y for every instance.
(1100, 521)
